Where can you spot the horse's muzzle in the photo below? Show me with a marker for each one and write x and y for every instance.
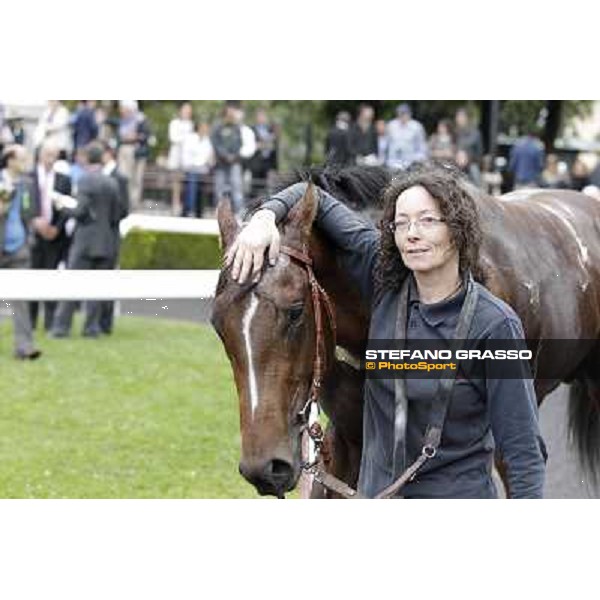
(274, 477)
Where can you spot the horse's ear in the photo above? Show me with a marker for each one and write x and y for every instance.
(228, 225)
(301, 217)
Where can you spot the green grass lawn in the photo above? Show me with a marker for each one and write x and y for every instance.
(150, 412)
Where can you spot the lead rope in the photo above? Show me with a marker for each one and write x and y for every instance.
(433, 434)
(313, 436)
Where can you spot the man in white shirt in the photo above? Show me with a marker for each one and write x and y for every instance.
(179, 128)
(197, 159)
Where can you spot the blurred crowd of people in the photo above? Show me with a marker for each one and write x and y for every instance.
(50, 219)
(62, 201)
(205, 160)
(403, 140)
(229, 156)
(208, 161)
(530, 167)
(127, 133)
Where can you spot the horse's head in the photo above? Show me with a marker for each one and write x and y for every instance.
(269, 333)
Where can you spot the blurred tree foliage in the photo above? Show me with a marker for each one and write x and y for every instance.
(517, 116)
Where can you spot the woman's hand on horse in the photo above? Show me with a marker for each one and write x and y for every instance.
(248, 249)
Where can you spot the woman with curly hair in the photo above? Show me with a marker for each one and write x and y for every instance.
(418, 274)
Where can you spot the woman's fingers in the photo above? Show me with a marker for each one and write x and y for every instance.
(230, 254)
(258, 259)
(238, 257)
(274, 248)
(247, 252)
(246, 265)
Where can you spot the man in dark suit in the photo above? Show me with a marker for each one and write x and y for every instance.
(337, 143)
(107, 307)
(363, 137)
(97, 213)
(50, 244)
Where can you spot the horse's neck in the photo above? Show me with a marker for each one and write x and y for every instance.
(489, 207)
(494, 263)
(342, 395)
(351, 314)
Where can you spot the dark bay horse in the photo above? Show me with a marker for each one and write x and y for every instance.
(541, 254)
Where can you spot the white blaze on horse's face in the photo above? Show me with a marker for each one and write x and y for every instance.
(246, 325)
(282, 262)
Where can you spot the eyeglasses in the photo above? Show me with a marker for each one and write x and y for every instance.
(423, 223)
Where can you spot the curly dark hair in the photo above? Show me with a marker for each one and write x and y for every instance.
(455, 196)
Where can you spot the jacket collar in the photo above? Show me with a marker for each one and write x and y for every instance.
(436, 313)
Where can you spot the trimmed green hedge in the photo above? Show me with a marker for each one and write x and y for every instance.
(162, 250)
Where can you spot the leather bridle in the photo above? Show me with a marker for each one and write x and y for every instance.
(314, 430)
(319, 299)
(312, 407)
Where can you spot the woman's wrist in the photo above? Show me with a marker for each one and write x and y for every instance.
(264, 214)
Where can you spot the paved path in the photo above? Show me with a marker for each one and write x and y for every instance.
(563, 477)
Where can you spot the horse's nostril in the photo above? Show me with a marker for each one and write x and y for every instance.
(274, 477)
(280, 470)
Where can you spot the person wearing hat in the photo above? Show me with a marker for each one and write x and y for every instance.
(407, 142)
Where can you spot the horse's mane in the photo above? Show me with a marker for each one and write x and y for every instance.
(359, 187)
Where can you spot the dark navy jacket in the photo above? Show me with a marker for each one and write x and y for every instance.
(483, 416)
(85, 127)
(527, 161)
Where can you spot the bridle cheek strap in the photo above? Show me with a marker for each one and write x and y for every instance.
(311, 409)
(319, 298)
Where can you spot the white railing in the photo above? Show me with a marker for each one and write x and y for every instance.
(64, 284)
(168, 224)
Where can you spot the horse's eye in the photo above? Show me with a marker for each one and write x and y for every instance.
(295, 313)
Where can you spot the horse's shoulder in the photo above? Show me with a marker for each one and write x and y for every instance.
(492, 310)
(557, 197)
(523, 194)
